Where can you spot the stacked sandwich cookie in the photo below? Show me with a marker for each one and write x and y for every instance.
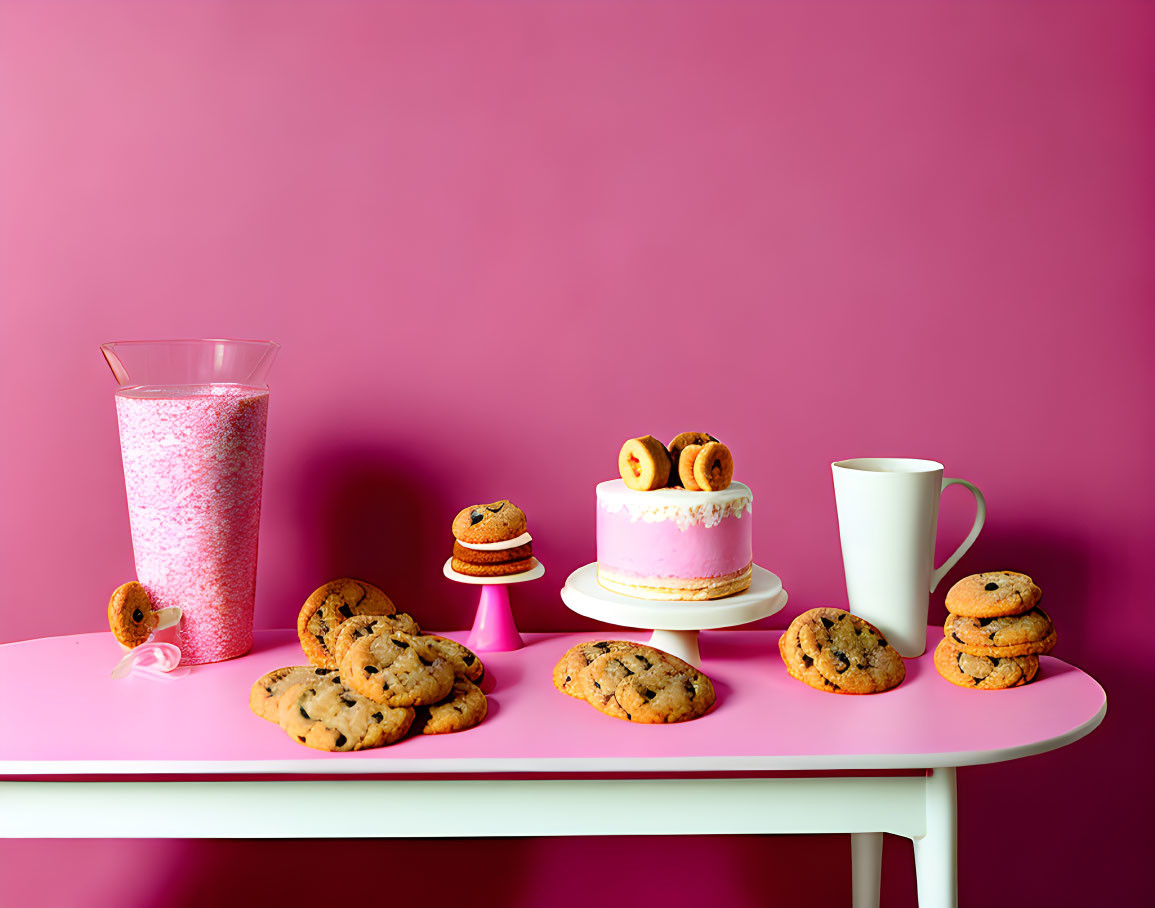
(491, 540)
(994, 632)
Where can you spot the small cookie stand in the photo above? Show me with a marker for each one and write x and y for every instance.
(675, 625)
(494, 630)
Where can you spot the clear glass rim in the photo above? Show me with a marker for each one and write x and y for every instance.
(192, 340)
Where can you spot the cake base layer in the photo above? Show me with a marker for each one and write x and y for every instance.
(674, 589)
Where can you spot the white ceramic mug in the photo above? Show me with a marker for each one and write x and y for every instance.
(888, 519)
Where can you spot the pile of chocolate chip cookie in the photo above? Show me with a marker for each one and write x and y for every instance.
(634, 682)
(372, 678)
(834, 651)
(994, 632)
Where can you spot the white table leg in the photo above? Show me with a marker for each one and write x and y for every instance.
(936, 852)
(866, 868)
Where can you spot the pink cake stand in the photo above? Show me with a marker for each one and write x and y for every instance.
(494, 630)
(675, 624)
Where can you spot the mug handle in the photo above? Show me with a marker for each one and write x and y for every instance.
(980, 519)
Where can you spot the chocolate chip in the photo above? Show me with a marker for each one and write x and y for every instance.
(401, 643)
(994, 660)
(303, 713)
(348, 702)
(359, 633)
(496, 510)
(689, 688)
(598, 686)
(301, 738)
(321, 671)
(983, 622)
(370, 669)
(958, 638)
(648, 694)
(646, 662)
(423, 660)
(320, 638)
(469, 658)
(602, 645)
(346, 611)
(627, 671)
(341, 739)
(475, 517)
(268, 690)
(717, 466)
(844, 663)
(568, 679)
(991, 587)
(827, 623)
(137, 615)
(377, 717)
(807, 661)
(882, 641)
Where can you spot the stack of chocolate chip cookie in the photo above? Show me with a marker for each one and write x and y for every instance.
(840, 653)
(633, 682)
(994, 632)
(373, 675)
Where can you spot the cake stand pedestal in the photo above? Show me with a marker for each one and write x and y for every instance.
(675, 625)
(494, 630)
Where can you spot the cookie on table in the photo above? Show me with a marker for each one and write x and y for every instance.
(1028, 634)
(463, 660)
(983, 672)
(397, 669)
(993, 594)
(800, 666)
(832, 650)
(647, 685)
(849, 651)
(365, 625)
(326, 714)
(268, 688)
(130, 614)
(463, 708)
(575, 660)
(330, 605)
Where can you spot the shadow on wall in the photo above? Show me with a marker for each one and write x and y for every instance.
(377, 514)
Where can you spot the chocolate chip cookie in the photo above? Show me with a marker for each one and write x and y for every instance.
(130, 615)
(462, 658)
(993, 594)
(366, 625)
(849, 652)
(397, 670)
(575, 660)
(983, 672)
(325, 714)
(329, 605)
(799, 665)
(267, 689)
(464, 708)
(647, 685)
(1028, 634)
(497, 521)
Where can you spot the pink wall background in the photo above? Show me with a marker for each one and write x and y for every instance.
(496, 239)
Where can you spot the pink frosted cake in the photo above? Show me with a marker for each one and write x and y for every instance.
(672, 543)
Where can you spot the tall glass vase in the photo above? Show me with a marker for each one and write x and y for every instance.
(192, 417)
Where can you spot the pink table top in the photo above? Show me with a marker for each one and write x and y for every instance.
(763, 721)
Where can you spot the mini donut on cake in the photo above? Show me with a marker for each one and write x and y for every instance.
(491, 540)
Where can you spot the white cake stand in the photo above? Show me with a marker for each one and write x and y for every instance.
(675, 624)
(494, 630)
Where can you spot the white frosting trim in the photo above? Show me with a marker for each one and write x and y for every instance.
(678, 505)
(497, 546)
